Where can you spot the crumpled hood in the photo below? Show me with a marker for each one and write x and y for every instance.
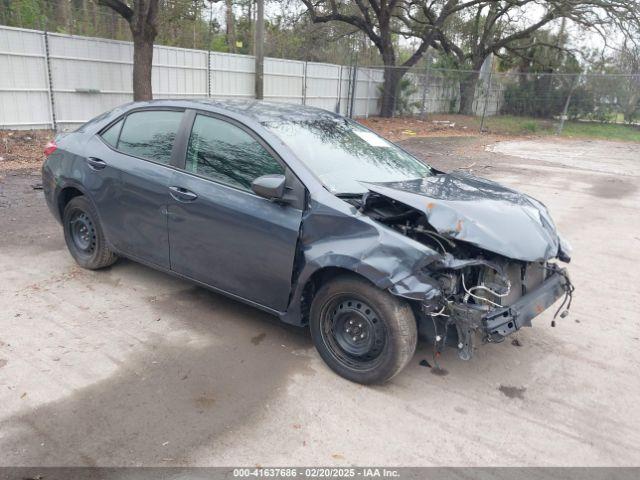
(480, 212)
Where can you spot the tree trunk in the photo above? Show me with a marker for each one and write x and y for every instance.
(231, 28)
(142, 61)
(468, 84)
(64, 15)
(632, 108)
(142, 18)
(390, 89)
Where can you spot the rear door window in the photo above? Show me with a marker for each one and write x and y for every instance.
(150, 134)
(227, 154)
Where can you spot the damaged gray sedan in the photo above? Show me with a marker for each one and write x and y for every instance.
(311, 217)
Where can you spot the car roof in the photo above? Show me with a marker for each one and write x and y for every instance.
(258, 110)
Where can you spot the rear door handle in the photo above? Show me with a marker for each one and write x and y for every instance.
(95, 163)
(182, 194)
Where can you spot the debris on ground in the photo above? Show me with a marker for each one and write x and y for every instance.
(472, 166)
(516, 343)
(440, 372)
(22, 149)
(401, 128)
(424, 363)
(444, 123)
(513, 392)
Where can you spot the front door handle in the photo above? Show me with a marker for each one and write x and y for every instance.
(95, 163)
(182, 194)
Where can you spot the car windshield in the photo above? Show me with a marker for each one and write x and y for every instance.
(343, 153)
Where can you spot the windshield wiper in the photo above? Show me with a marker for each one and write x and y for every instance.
(349, 195)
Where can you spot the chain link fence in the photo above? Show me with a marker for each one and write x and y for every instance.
(557, 97)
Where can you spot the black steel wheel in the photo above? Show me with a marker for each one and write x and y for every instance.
(83, 235)
(363, 333)
(352, 332)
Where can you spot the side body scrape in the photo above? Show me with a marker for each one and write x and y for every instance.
(335, 235)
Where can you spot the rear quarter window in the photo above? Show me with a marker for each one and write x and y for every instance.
(111, 134)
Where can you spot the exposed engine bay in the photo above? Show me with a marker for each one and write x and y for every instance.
(481, 291)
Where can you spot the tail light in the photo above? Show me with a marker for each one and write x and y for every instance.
(50, 148)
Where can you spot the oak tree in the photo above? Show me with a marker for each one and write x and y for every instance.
(493, 27)
(142, 17)
(382, 20)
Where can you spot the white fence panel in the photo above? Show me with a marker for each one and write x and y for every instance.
(232, 75)
(24, 85)
(413, 100)
(442, 95)
(89, 76)
(179, 72)
(323, 85)
(372, 80)
(345, 89)
(361, 93)
(283, 80)
(92, 75)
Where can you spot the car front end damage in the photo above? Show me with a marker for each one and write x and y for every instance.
(491, 302)
(495, 262)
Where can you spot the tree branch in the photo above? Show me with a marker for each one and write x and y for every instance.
(120, 7)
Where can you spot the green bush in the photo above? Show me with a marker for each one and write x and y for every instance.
(404, 105)
(545, 97)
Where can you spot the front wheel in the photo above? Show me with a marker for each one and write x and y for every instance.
(363, 333)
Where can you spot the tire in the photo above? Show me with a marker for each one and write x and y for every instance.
(83, 235)
(364, 334)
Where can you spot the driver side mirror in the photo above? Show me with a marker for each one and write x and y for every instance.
(270, 187)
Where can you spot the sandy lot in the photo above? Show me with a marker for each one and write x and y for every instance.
(129, 366)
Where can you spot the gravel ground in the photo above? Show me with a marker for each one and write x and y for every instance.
(19, 149)
(129, 366)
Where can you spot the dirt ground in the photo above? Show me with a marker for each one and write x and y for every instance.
(129, 366)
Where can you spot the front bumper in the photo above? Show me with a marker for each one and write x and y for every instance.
(501, 322)
(496, 323)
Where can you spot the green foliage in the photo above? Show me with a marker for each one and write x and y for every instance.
(535, 97)
(219, 44)
(530, 127)
(405, 90)
(404, 105)
(543, 96)
(19, 12)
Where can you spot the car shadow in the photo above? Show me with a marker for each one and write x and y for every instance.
(175, 394)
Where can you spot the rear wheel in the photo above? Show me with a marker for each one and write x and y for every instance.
(363, 333)
(83, 235)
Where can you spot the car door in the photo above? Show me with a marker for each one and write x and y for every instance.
(220, 232)
(130, 167)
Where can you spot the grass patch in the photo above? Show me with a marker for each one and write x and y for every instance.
(607, 131)
(510, 125)
(447, 125)
(530, 127)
